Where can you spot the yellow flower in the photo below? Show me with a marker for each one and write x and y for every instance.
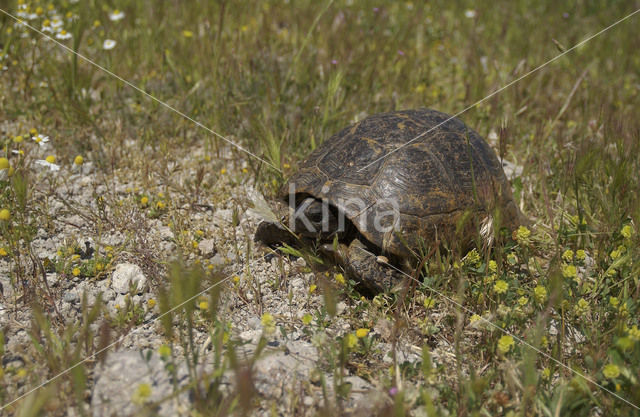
(569, 271)
(540, 294)
(164, 351)
(614, 301)
(522, 234)
(141, 394)
(306, 319)
(194, 244)
(505, 343)
(611, 371)
(144, 200)
(187, 34)
(340, 279)
(634, 333)
(78, 160)
(160, 205)
(500, 287)
(581, 254)
(567, 256)
(17, 139)
(268, 323)
(5, 214)
(429, 303)
(203, 305)
(472, 258)
(4, 164)
(76, 272)
(50, 159)
(493, 266)
(312, 288)
(96, 23)
(489, 279)
(626, 231)
(615, 254)
(474, 318)
(582, 307)
(223, 171)
(544, 342)
(362, 332)
(523, 301)
(512, 259)
(99, 266)
(350, 340)
(546, 373)
(245, 171)
(151, 303)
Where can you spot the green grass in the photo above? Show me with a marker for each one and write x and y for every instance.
(279, 78)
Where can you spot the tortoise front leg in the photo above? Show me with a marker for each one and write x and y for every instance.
(363, 266)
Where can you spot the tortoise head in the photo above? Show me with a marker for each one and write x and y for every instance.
(314, 218)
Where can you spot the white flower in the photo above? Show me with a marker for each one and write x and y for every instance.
(40, 139)
(63, 35)
(56, 22)
(23, 11)
(46, 29)
(108, 44)
(32, 16)
(470, 14)
(45, 163)
(116, 15)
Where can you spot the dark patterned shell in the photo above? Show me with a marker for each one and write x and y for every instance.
(417, 193)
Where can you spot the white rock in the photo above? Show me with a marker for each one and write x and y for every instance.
(165, 233)
(223, 217)
(124, 275)
(207, 248)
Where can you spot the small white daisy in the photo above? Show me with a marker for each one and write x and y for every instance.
(41, 139)
(116, 15)
(45, 163)
(108, 44)
(56, 22)
(23, 11)
(32, 16)
(470, 14)
(63, 35)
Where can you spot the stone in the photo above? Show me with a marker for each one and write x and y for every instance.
(207, 248)
(118, 379)
(124, 275)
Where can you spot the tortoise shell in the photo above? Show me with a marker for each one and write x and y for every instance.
(420, 191)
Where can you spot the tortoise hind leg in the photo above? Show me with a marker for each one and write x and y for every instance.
(364, 267)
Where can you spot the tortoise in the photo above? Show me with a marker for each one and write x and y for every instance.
(389, 185)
